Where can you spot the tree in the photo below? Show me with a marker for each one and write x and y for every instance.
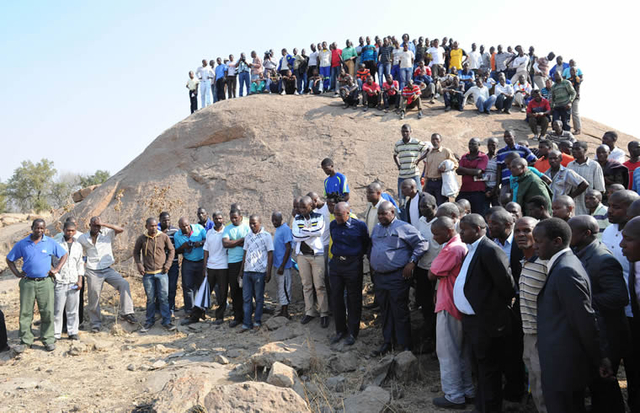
(61, 194)
(30, 185)
(3, 198)
(96, 179)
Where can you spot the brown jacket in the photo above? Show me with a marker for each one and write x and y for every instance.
(157, 252)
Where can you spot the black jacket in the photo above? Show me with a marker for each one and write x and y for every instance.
(406, 208)
(568, 338)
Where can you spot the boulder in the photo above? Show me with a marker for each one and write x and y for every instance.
(373, 399)
(298, 353)
(275, 323)
(81, 194)
(405, 367)
(282, 375)
(343, 362)
(378, 371)
(336, 383)
(190, 391)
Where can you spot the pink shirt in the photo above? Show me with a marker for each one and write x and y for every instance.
(446, 267)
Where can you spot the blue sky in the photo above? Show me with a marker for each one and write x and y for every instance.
(90, 84)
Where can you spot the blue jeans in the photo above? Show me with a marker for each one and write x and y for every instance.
(191, 278)
(157, 286)
(252, 287)
(245, 79)
(405, 75)
(174, 274)
(325, 72)
(485, 105)
(395, 71)
(335, 71)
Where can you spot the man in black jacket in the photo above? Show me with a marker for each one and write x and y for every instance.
(568, 338)
(483, 292)
(630, 246)
(609, 297)
(409, 189)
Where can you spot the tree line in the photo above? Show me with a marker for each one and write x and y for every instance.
(37, 187)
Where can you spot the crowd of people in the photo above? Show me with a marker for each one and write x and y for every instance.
(525, 274)
(388, 72)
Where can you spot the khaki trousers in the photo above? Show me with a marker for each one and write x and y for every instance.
(311, 268)
(532, 361)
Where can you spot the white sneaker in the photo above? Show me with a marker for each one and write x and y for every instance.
(296, 93)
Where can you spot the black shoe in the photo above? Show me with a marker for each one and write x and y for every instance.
(218, 322)
(234, 323)
(446, 404)
(169, 327)
(306, 319)
(49, 347)
(384, 349)
(74, 337)
(324, 322)
(350, 340)
(188, 321)
(5, 348)
(339, 336)
(129, 318)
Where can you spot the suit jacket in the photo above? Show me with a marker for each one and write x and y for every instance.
(609, 297)
(568, 338)
(515, 262)
(632, 290)
(489, 288)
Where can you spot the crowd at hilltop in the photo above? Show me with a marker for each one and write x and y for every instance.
(532, 261)
(402, 74)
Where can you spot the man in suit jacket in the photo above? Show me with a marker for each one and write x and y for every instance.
(630, 246)
(568, 339)
(609, 297)
(483, 292)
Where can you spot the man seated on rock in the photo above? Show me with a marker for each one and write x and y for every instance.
(481, 97)
(349, 94)
(257, 263)
(258, 85)
(453, 95)
(97, 244)
(466, 76)
(522, 90)
(315, 82)
(273, 83)
(558, 135)
(504, 95)
(391, 93)
(361, 75)
(563, 207)
(370, 94)
(453, 353)
(538, 111)
(289, 83)
(410, 99)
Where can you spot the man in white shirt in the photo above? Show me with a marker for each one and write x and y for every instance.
(205, 75)
(522, 90)
(406, 65)
(475, 59)
(437, 57)
(68, 283)
(504, 95)
(618, 155)
(587, 168)
(520, 63)
(311, 65)
(483, 100)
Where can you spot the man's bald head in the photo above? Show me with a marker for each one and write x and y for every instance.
(448, 209)
(386, 206)
(341, 207)
(584, 223)
(634, 209)
(518, 162)
(625, 197)
(375, 186)
(529, 221)
(565, 200)
(409, 183)
(444, 223)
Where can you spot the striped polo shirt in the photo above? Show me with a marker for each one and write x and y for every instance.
(532, 279)
(408, 154)
(600, 214)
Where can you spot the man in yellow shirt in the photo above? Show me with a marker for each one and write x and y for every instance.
(433, 170)
(457, 57)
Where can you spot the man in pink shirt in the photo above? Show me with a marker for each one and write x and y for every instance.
(453, 352)
(391, 93)
(371, 95)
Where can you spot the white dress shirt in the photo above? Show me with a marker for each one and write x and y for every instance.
(459, 299)
(414, 211)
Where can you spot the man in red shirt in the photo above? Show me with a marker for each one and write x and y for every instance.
(390, 93)
(538, 111)
(336, 63)
(371, 95)
(472, 166)
(410, 99)
(634, 160)
(362, 74)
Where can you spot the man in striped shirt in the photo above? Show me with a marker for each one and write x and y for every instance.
(532, 278)
(593, 201)
(411, 98)
(407, 154)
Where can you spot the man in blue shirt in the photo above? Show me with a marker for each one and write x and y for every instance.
(203, 219)
(350, 242)
(221, 81)
(189, 241)
(282, 263)
(504, 173)
(396, 248)
(335, 182)
(233, 239)
(36, 281)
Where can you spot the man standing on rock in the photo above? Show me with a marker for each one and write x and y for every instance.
(233, 239)
(396, 248)
(157, 253)
(407, 154)
(335, 182)
(350, 243)
(174, 270)
(308, 227)
(97, 244)
(36, 282)
(189, 241)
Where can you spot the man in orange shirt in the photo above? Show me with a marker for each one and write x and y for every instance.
(542, 164)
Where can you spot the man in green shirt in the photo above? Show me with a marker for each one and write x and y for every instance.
(349, 56)
(562, 95)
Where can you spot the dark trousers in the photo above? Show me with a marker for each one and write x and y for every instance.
(193, 98)
(535, 121)
(391, 100)
(504, 102)
(392, 293)
(220, 87)
(424, 298)
(346, 275)
(488, 363)
(478, 201)
(3, 332)
(563, 114)
(191, 279)
(310, 70)
(231, 87)
(606, 395)
(235, 291)
(352, 98)
(372, 66)
(221, 278)
(514, 386)
(370, 101)
(453, 100)
(174, 274)
(632, 366)
(434, 187)
(564, 401)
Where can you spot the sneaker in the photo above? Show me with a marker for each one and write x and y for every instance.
(49, 347)
(402, 115)
(296, 93)
(282, 93)
(257, 325)
(74, 337)
(446, 404)
(129, 318)
(95, 329)
(169, 327)
(146, 327)
(420, 115)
